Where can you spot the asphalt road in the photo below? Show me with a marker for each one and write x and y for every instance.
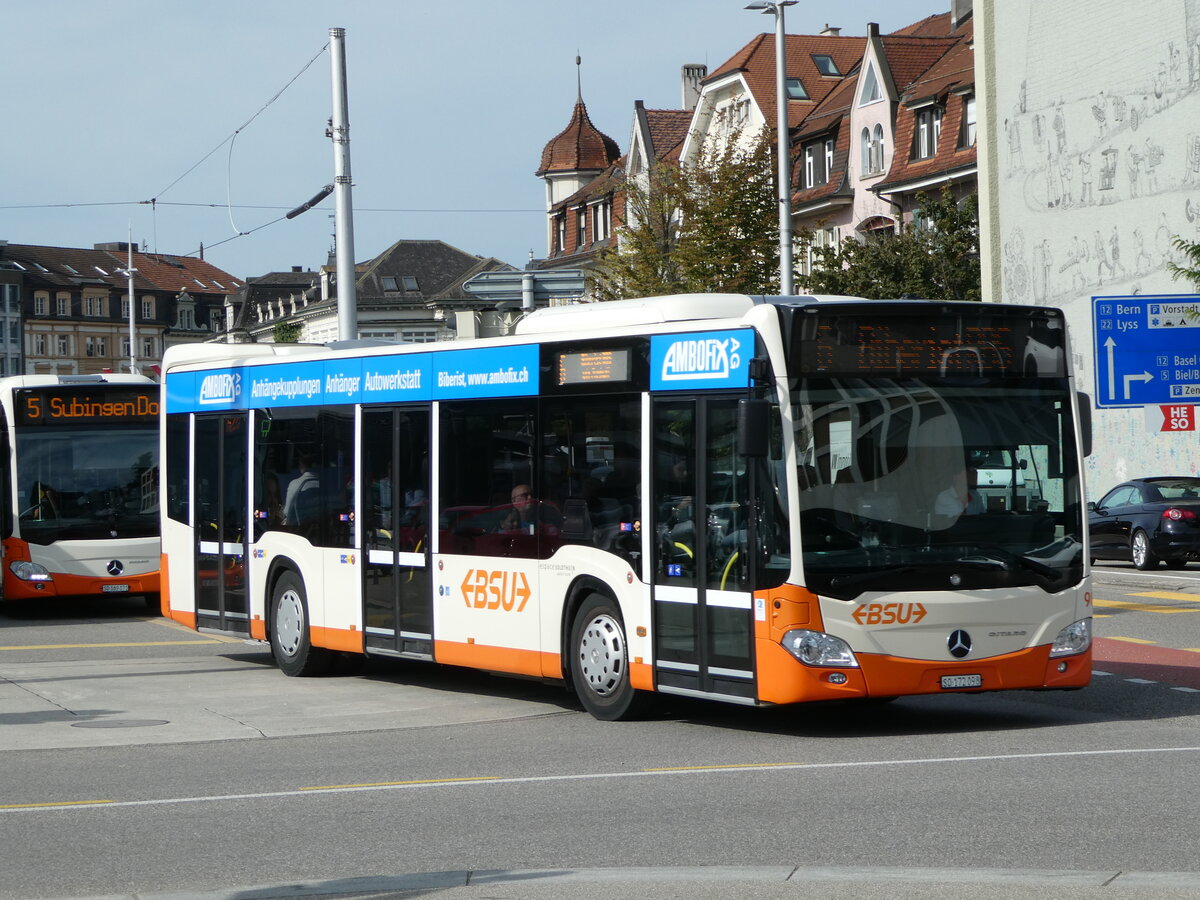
(141, 759)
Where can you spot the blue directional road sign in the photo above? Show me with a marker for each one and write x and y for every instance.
(1147, 349)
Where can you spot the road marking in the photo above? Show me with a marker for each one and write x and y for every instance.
(116, 644)
(57, 804)
(1130, 640)
(1168, 595)
(381, 784)
(747, 768)
(1144, 607)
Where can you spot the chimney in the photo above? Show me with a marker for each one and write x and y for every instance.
(831, 30)
(690, 76)
(297, 268)
(960, 11)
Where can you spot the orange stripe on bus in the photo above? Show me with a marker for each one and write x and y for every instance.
(258, 628)
(349, 640)
(497, 659)
(641, 676)
(1030, 668)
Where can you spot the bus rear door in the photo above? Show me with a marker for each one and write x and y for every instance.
(220, 502)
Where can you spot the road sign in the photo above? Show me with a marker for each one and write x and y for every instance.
(1147, 350)
(542, 284)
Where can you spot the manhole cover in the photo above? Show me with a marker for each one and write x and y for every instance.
(119, 723)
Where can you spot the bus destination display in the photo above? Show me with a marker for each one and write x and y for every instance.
(933, 345)
(593, 367)
(85, 406)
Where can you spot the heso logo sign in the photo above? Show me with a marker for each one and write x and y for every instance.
(1180, 417)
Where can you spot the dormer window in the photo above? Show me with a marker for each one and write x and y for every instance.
(795, 89)
(410, 283)
(928, 131)
(825, 64)
(967, 137)
(870, 91)
(389, 283)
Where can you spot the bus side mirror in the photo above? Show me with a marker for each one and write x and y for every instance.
(1084, 403)
(753, 428)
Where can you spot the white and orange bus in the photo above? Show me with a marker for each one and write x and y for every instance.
(81, 478)
(760, 500)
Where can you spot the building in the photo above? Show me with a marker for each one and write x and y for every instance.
(411, 292)
(74, 307)
(873, 121)
(1089, 169)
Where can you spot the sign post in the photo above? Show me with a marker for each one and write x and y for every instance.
(1147, 350)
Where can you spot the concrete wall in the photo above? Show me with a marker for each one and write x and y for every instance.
(1089, 161)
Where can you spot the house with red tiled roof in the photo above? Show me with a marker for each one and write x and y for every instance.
(885, 133)
(74, 303)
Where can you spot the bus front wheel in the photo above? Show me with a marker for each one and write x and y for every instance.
(600, 661)
(291, 644)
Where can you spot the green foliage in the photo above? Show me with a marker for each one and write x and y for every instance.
(939, 261)
(711, 226)
(1191, 254)
(287, 332)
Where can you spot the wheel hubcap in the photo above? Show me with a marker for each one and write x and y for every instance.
(289, 622)
(602, 655)
(1139, 549)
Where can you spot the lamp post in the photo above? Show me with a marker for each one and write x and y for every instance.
(775, 8)
(129, 271)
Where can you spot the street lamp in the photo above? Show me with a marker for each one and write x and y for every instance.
(775, 8)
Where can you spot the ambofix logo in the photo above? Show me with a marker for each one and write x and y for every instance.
(959, 643)
(221, 388)
(701, 358)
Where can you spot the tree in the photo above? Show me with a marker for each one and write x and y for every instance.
(938, 260)
(709, 226)
(287, 332)
(1191, 255)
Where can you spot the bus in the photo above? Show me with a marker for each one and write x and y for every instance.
(758, 500)
(81, 479)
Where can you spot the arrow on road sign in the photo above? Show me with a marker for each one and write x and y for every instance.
(1144, 377)
(1112, 375)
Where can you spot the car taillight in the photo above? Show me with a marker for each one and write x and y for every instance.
(1175, 514)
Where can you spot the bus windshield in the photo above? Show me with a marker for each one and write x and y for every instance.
(86, 483)
(928, 483)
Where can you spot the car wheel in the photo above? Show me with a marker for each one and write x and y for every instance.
(291, 644)
(600, 661)
(1143, 556)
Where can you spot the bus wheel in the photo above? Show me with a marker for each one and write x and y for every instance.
(600, 661)
(290, 642)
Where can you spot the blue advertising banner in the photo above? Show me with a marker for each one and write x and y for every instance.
(707, 360)
(486, 372)
(446, 375)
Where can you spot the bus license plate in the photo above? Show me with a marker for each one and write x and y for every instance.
(961, 681)
(124, 589)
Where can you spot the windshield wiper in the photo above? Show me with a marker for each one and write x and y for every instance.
(1008, 556)
(841, 582)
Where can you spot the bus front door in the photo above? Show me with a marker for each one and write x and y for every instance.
(220, 503)
(397, 598)
(703, 625)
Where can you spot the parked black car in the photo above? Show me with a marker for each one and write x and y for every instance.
(1147, 520)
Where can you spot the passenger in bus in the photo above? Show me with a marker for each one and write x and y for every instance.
(272, 501)
(303, 495)
(529, 515)
(962, 497)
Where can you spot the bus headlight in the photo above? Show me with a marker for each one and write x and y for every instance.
(815, 648)
(1075, 638)
(29, 571)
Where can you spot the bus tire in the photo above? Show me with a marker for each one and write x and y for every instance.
(291, 643)
(600, 661)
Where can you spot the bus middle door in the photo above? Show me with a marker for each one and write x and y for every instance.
(703, 625)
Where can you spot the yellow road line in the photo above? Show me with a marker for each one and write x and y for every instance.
(1145, 607)
(1132, 640)
(121, 644)
(1169, 595)
(58, 803)
(373, 784)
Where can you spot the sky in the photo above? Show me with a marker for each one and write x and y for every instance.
(216, 111)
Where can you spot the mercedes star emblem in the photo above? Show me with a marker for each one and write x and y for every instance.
(115, 567)
(959, 643)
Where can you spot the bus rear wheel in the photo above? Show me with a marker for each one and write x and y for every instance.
(291, 643)
(600, 661)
